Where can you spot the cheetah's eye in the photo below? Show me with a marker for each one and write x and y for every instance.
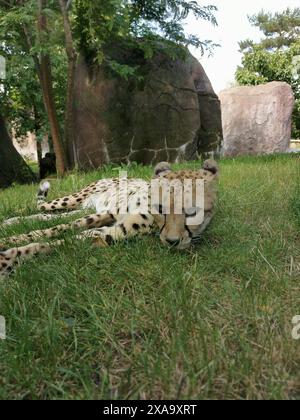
(196, 218)
(191, 212)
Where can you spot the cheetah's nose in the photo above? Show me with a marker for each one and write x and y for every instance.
(173, 242)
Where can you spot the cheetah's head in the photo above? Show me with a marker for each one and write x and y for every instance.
(184, 202)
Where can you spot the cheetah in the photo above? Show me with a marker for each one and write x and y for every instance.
(123, 209)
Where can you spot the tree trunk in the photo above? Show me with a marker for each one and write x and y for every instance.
(45, 75)
(12, 167)
(37, 127)
(72, 59)
(51, 111)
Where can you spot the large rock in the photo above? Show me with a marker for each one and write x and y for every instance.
(257, 119)
(172, 114)
(27, 146)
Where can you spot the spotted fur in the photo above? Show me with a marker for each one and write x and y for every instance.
(106, 227)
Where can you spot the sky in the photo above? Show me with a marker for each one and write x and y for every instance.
(233, 26)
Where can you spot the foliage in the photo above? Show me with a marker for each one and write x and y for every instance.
(275, 57)
(280, 29)
(21, 101)
(145, 25)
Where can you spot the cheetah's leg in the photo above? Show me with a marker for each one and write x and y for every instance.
(92, 221)
(129, 227)
(9, 258)
(39, 217)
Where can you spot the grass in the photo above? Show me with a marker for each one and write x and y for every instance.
(138, 320)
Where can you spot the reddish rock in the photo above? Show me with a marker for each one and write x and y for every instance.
(257, 119)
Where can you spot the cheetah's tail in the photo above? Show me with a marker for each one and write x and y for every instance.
(42, 193)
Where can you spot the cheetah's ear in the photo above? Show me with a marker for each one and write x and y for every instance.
(162, 168)
(211, 166)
